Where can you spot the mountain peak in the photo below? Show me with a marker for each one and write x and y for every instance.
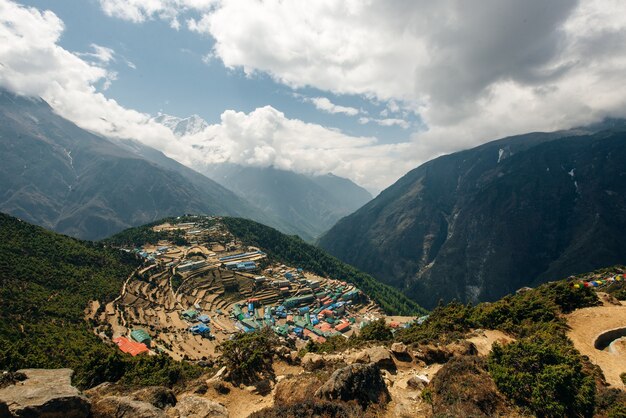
(190, 125)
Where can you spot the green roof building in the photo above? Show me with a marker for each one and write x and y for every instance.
(141, 336)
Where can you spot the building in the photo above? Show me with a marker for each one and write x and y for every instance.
(193, 265)
(200, 329)
(131, 347)
(141, 336)
(204, 318)
(190, 315)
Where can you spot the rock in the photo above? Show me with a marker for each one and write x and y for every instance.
(294, 358)
(197, 407)
(417, 382)
(282, 351)
(462, 348)
(361, 382)
(399, 349)
(125, 406)
(45, 392)
(361, 357)
(296, 389)
(312, 361)
(217, 376)
(381, 357)
(430, 354)
(158, 396)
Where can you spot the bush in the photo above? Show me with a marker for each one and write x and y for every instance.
(376, 331)
(543, 373)
(248, 357)
(446, 323)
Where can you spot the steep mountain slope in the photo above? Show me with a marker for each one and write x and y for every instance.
(60, 176)
(308, 205)
(481, 223)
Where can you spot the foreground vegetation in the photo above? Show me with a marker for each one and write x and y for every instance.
(46, 281)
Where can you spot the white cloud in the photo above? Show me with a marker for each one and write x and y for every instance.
(265, 137)
(324, 104)
(473, 71)
(139, 11)
(386, 121)
(100, 53)
(34, 65)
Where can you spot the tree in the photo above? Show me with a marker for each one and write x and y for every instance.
(248, 357)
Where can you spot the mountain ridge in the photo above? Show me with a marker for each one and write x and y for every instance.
(449, 224)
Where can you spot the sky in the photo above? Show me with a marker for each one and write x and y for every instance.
(365, 89)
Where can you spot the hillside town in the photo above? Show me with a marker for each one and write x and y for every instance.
(191, 295)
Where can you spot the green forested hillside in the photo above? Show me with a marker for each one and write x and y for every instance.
(46, 281)
(292, 250)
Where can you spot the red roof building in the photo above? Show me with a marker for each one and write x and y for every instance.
(130, 347)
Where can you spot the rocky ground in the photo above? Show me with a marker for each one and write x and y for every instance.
(385, 381)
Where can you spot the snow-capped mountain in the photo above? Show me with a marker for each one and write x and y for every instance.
(182, 126)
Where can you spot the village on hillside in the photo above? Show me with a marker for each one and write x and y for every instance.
(204, 286)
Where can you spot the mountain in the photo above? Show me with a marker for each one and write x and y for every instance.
(308, 205)
(64, 178)
(182, 126)
(478, 224)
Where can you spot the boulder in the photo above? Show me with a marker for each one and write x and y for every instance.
(430, 354)
(193, 406)
(361, 382)
(417, 382)
(158, 396)
(294, 358)
(361, 357)
(125, 406)
(312, 361)
(44, 393)
(399, 349)
(381, 357)
(296, 389)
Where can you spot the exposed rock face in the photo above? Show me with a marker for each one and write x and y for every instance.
(44, 393)
(361, 382)
(125, 406)
(197, 407)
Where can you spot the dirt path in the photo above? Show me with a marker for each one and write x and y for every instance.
(586, 325)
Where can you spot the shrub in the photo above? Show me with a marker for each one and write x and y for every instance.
(376, 331)
(249, 356)
(545, 374)
(446, 323)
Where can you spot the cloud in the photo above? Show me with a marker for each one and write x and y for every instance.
(324, 104)
(139, 11)
(100, 53)
(472, 71)
(34, 65)
(266, 137)
(386, 121)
